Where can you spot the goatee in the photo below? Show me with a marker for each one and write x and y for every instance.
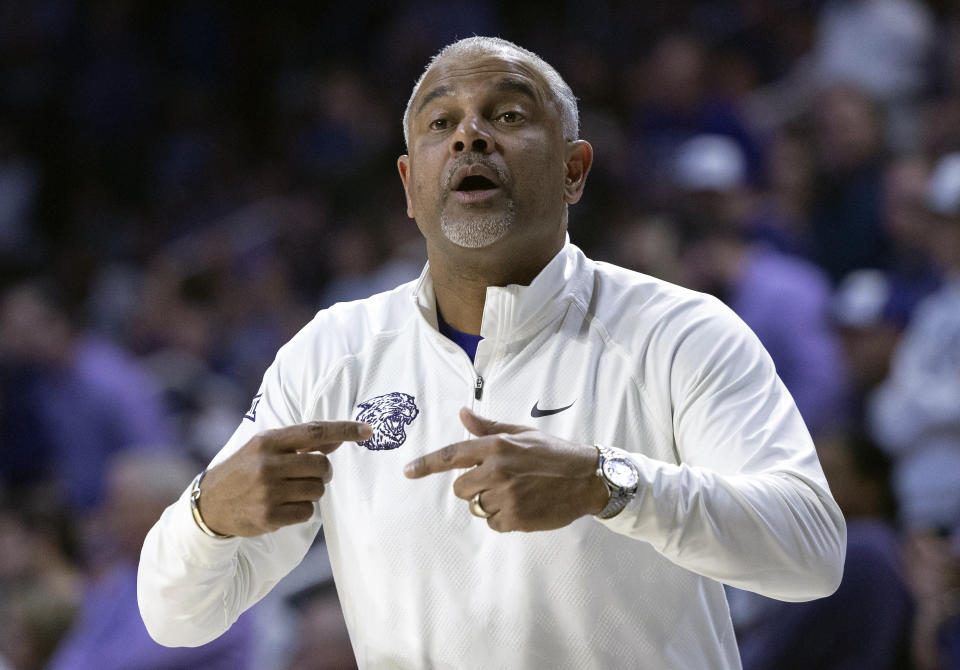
(479, 229)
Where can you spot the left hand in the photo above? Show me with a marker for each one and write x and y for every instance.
(527, 480)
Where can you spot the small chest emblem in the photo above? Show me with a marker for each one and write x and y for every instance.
(536, 412)
(388, 415)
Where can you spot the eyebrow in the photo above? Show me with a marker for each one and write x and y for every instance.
(438, 92)
(509, 85)
(506, 85)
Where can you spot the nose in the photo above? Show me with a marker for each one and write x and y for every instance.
(472, 135)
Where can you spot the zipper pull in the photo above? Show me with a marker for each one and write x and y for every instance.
(478, 387)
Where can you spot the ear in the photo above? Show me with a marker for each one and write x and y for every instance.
(403, 166)
(579, 160)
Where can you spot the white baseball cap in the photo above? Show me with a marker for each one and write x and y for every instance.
(709, 163)
(860, 299)
(943, 189)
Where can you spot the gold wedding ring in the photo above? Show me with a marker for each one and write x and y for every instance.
(477, 509)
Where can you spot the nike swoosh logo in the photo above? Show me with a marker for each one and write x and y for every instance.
(536, 412)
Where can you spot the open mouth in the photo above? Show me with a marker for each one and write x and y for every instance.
(475, 182)
(477, 188)
(394, 428)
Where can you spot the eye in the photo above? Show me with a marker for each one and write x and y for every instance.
(438, 124)
(510, 118)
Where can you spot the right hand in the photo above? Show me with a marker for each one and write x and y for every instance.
(273, 480)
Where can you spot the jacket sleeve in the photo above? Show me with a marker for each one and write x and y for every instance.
(747, 503)
(191, 587)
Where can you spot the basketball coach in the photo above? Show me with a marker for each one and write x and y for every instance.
(523, 459)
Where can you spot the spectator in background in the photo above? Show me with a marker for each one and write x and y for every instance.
(322, 639)
(913, 274)
(871, 307)
(883, 47)
(782, 298)
(39, 580)
(933, 570)
(782, 217)
(650, 245)
(81, 398)
(869, 328)
(866, 623)
(674, 104)
(846, 232)
(358, 272)
(880, 45)
(339, 125)
(32, 621)
(109, 633)
(915, 413)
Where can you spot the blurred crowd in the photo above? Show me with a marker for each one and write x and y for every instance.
(183, 184)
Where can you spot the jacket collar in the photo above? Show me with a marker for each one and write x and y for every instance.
(515, 311)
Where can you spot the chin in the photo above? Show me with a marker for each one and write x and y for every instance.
(480, 230)
(476, 233)
(473, 243)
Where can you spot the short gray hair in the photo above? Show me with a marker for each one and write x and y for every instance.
(482, 46)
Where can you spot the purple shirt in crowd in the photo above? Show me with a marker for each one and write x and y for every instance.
(109, 635)
(103, 403)
(784, 301)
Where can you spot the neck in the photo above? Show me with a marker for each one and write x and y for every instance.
(461, 287)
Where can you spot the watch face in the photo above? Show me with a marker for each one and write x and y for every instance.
(620, 472)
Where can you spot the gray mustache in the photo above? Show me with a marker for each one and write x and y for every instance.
(470, 159)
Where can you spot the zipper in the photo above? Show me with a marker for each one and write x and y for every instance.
(478, 387)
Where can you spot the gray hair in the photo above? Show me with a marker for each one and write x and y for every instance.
(474, 47)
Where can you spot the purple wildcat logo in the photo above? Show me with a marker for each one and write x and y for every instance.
(388, 415)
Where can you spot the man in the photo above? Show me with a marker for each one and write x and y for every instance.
(714, 479)
(915, 413)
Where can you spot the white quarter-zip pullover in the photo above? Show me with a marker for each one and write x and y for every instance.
(730, 487)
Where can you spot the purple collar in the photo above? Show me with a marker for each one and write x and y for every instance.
(465, 341)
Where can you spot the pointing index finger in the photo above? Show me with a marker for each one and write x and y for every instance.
(451, 457)
(322, 436)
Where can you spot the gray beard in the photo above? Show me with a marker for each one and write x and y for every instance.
(478, 230)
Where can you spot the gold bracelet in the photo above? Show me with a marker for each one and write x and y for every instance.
(195, 508)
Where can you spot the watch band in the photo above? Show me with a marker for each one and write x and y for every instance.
(619, 496)
(613, 507)
(195, 508)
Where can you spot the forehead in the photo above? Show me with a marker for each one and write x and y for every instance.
(454, 74)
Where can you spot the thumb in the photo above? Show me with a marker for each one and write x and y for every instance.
(480, 426)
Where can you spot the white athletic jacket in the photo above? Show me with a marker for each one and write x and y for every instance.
(731, 490)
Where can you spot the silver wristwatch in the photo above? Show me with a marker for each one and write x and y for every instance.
(621, 476)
